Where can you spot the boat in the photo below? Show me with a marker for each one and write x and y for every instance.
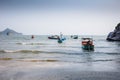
(87, 44)
(61, 38)
(53, 37)
(32, 37)
(74, 36)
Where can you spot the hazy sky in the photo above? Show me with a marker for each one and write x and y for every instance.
(93, 17)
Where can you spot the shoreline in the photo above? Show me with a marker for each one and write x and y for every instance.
(17, 70)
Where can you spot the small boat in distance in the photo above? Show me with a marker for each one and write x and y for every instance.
(61, 38)
(87, 44)
(53, 37)
(32, 37)
(74, 36)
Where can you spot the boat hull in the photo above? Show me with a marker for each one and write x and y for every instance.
(52, 38)
(88, 47)
(60, 41)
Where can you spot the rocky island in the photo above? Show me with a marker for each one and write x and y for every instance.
(115, 35)
(8, 32)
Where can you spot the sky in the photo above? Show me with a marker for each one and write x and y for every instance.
(44, 17)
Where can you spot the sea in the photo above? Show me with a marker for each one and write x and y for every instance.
(42, 49)
(40, 58)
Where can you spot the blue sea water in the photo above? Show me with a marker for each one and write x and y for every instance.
(43, 49)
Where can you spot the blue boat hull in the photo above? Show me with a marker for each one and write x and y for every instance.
(88, 47)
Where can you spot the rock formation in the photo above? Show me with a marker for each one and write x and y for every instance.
(115, 35)
(9, 32)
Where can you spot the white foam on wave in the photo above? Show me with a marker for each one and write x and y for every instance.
(21, 51)
(33, 43)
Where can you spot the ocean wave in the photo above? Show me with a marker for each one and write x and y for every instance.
(20, 51)
(39, 51)
(105, 47)
(58, 52)
(6, 58)
(113, 53)
(37, 60)
(30, 51)
(109, 53)
(23, 43)
(103, 60)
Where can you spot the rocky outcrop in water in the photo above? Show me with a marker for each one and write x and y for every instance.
(9, 32)
(115, 35)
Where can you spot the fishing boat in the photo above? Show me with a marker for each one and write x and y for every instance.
(61, 38)
(87, 44)
(53, 37)
(74, 36)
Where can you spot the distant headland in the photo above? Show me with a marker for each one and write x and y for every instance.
(8, 32)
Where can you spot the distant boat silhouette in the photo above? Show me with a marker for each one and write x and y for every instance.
(53, 37)
(32, 36)
(74, 36)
